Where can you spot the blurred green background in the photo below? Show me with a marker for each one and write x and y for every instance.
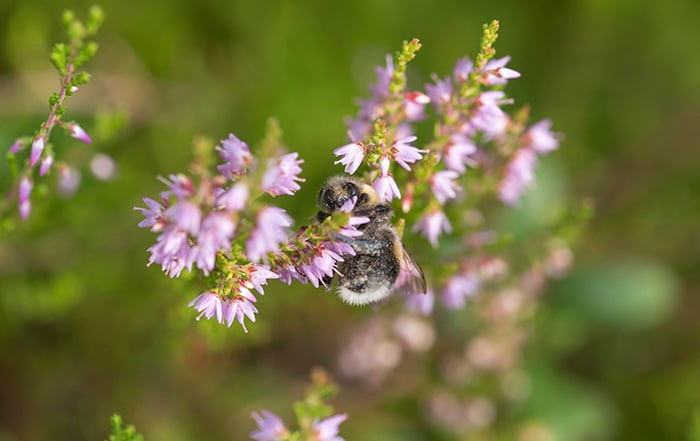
(87, 330)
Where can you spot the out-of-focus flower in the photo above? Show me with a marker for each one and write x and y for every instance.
(15, 147)
(443, 185)
(23, 202)
(282, 175)
(414, 105)
(186, 216)
(270, 427)
(327, 429)
(458, 288)
(519, 175)
(405, 154)
(269, 232)
(352, 156)
(68, 180)
(78, 133)
(463, 68)
(236, 156)
(422, 303)
(458, 153)
(233, 199)
(215, 234)
(37, 149)
(385, 185)
(489, 117)
(440, 93)
(103, 167)
(540, 138)
(153, 215)
(381, 88)
(498, 73)
(417, 334)
(432, 224)
(45, 164)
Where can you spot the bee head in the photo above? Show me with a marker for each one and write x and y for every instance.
(337, 191)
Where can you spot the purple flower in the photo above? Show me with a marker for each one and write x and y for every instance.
(381, 88)
(498, 73)
(236, 156)
(239, 308)
(185, 215)
(153, 215)
(179, 186)
(78, 133)
(540, 137)
(352, 156)
(489, 117)
(68, 180)
(270, 427)
(440, 93)
(458, 288)
(519, 175)
(458, 153)
(269, 232)
(233, 199)
(463, 68)
(171, 251)
(23, 193)
(281, 175)
(321, 266)
(443, 185)
(414, 105)
(16, 147)
(215, 235)
(210, 304)
(405, 153)
(259, 275)
(385, 186)
(37, 148)
(327, 429)
(432, 224)
(421, 303)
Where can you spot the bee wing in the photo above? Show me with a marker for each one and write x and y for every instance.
(411, 279)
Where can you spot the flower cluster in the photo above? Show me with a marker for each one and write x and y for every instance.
(198, 225)
(67, 58)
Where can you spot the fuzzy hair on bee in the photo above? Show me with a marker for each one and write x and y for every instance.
(381, 262)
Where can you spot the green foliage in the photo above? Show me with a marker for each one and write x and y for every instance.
(120, 433)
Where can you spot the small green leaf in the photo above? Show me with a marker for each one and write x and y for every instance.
(81, 78)
(58, 57)
(67, 18)
(95, 19)
(122, 434)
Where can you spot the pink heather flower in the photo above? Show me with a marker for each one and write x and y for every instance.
(443, 185)
(179, 186)
(322, 265)
(185, 215)
(153, 215)
(16, 147)
(233, 199)
(328, 428)
(236, 156)
(23, 193)
(268, 233)
(270, 427)
(432, 224)
(68, 180)
(45, 164)
(215, 234)
(405, 153)
(518, 177)
(498, 73)
(352, 156)
(171, 251)
(458, 153)
(458, 288)
(37, 148)
(78, 133)
(421, 303)
(289, 272)
(385, 186)
(259, 275)
(463, 68)
(414, 105)
(489, 117)
(381, 88)
(281, 175)
(540, 137)
(239, 308)
(440, 93)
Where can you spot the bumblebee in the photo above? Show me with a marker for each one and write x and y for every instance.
(381, 262)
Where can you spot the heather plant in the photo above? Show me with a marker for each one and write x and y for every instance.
(33, 157)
